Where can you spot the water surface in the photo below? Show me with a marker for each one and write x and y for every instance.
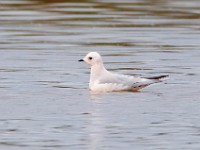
(45, 101)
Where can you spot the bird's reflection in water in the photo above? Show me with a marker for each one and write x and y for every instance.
(97, 122)
(96, 96)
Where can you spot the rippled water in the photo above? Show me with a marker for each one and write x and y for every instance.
(45, 101)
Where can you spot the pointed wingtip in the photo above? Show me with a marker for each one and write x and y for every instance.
(158, 77)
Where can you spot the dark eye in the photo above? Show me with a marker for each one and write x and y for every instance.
(90, 58)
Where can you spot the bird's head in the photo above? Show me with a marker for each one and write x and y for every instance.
(92, 58)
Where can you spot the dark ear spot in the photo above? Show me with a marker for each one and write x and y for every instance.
(90, 58)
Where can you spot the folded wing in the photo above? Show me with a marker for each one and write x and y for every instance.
(125, 82)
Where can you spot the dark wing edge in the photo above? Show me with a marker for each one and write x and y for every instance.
(157, 77)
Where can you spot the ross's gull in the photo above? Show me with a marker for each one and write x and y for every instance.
(102, 80)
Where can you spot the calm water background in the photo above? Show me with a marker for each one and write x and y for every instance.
(45, 101)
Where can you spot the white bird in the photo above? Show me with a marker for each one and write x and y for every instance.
(102, 80)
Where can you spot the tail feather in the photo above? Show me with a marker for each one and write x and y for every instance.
(139, 85)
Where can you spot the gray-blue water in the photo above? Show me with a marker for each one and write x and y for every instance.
(45, 103)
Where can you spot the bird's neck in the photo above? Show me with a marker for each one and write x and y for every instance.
(96, 72)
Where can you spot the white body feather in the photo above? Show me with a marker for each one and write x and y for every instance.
(104, 81)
